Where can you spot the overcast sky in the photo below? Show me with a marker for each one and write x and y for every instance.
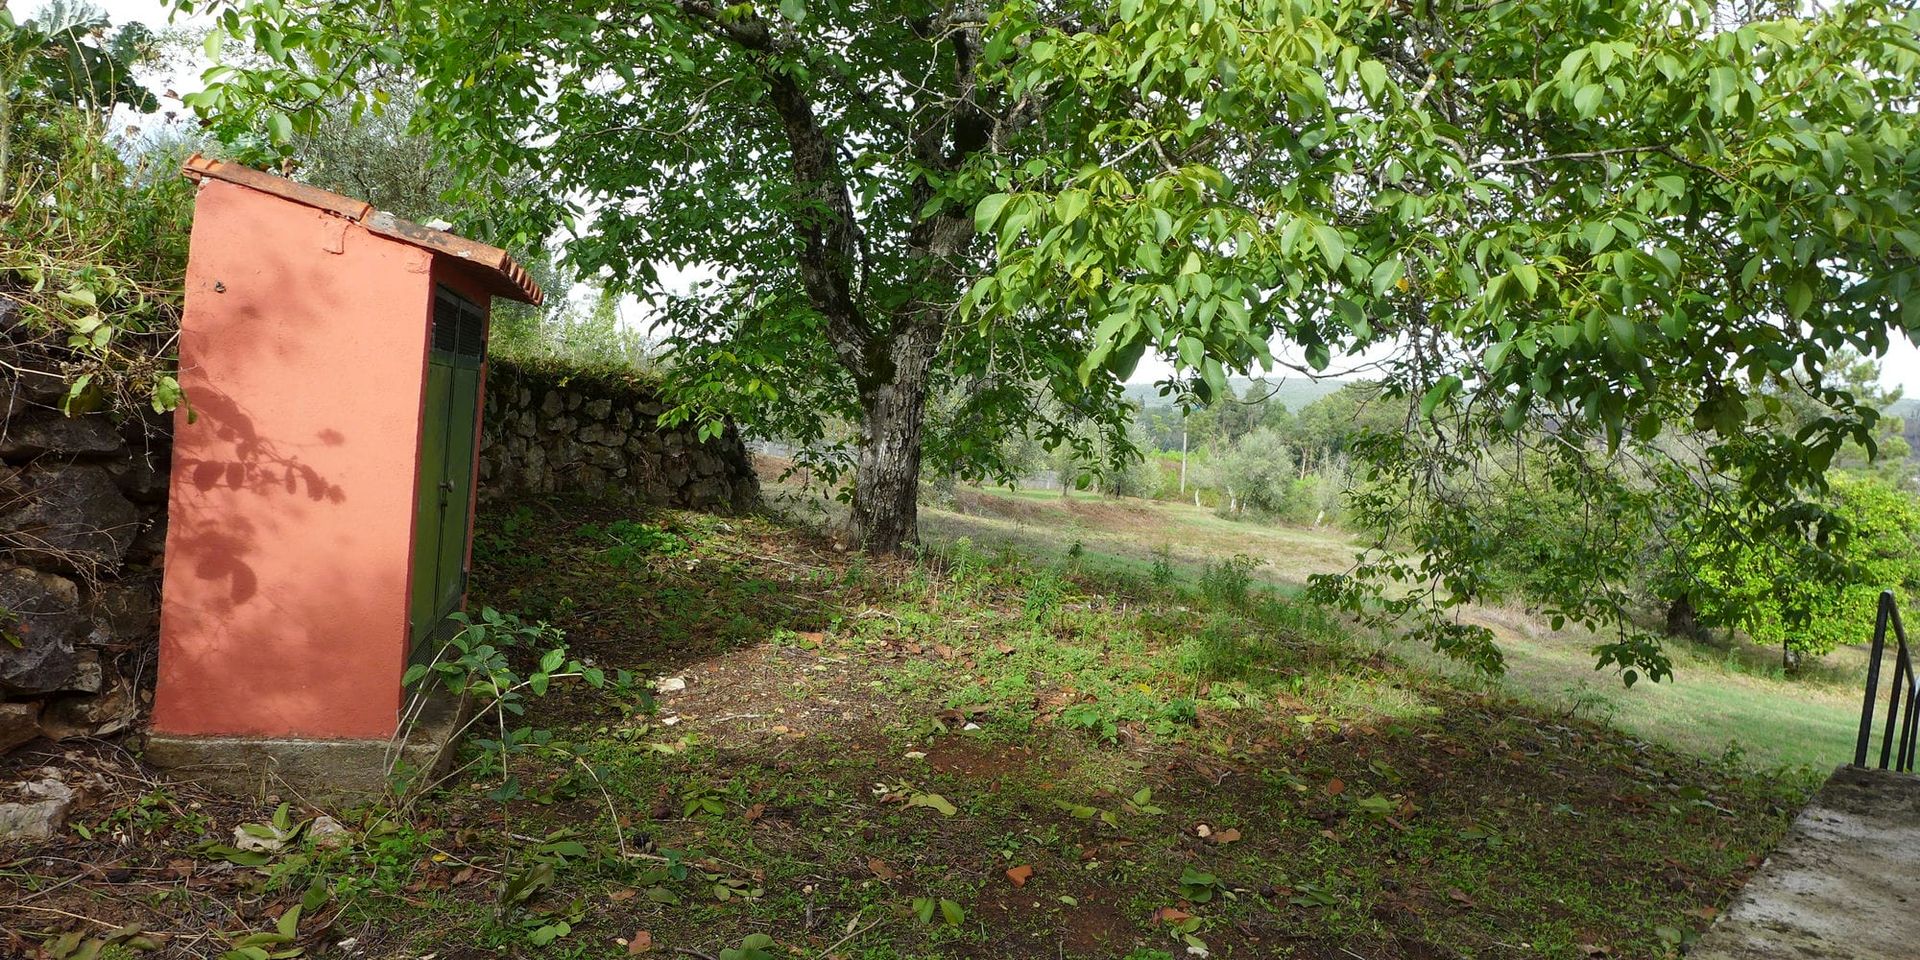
(1901, 365)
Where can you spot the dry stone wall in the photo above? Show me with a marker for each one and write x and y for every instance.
(82, 523)
(553, 430)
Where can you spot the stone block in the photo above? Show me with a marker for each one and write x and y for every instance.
(323, 771)
(40, 806)
(88, 673)
(40, 620)
(100, 714)
(142, 478)
(51, 434)
(19, 723)
(74, 515)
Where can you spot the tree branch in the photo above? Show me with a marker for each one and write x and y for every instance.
(824, 218)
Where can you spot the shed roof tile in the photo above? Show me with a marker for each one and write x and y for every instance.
(507, 278)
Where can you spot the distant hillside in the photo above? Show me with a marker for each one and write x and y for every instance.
(1905, 408)
(1295, 392)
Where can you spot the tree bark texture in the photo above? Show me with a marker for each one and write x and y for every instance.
(886, 486)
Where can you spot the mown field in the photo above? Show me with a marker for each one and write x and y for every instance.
(1731, 700)
(972, 753)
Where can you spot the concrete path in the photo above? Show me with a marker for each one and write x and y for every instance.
(1844, 884)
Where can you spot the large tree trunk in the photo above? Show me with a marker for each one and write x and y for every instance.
(886, 483)
(1683, 621)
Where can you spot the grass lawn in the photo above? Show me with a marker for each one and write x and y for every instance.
(1719, 701)
(971, 754)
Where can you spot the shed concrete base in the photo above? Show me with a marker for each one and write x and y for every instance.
(319, 771)
(1843, 884)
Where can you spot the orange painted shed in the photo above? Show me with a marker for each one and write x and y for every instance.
(333, 358)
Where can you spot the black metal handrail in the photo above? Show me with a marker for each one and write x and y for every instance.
(1905, 688)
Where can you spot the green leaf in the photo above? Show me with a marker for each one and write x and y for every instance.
(988, 212)
(280, 127)
(1599, 235)
(1799, 298)
(79, 297)
(1624, 331)
(1373, 78)
(952, 913)
(1355, 317)
(1070, 205)
(933, 801)
(1386, 274)
(1529, 278)
(1586, 102)
(1191, 351)
(1438, 394)
(1333, 247)
(795, 10)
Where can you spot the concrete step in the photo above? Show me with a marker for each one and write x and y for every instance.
(1844, 883)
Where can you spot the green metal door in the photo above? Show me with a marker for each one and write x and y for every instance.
(457, 488)
(449, 424)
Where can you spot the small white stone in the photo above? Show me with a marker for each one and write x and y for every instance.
(670, 684)
(43, 817)
(328, 834)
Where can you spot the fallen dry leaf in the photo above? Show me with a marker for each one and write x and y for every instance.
(1225, 836)
(1335, 787)
(639, 943)
(880, 869)
(1459, 896)
(1170, 915)
(623, 894)
(754, 812)
(1020, 875)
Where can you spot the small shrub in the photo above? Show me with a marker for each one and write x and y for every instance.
(1163, 574)
(1217, 652)
(1229, 581)
(1044, 593)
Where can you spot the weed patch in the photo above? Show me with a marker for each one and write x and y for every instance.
(965, 754)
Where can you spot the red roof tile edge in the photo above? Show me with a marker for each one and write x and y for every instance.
(512, 281)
